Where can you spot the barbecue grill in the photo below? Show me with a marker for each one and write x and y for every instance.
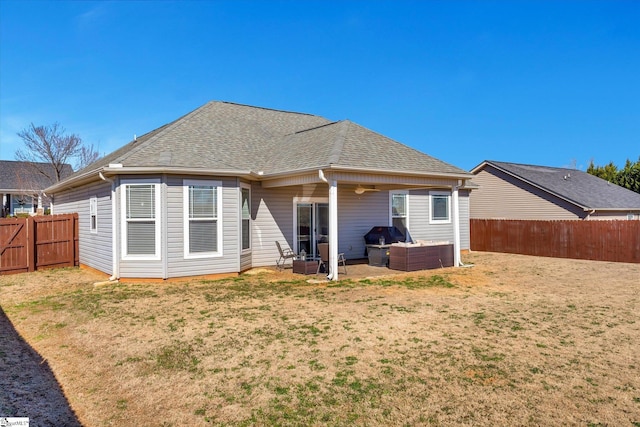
(390, 234)
(377, 242)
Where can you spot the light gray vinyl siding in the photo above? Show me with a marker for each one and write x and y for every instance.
(419, 225)
(357, 214)
(272, 213)
(501, 196)
(177, 264)
(96, 249)
(245, 261)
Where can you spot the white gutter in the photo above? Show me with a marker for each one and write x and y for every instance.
(333, 226)
(114, 245)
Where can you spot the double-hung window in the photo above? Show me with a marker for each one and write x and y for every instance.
(439, 207)
(141, 219)
(202, 222)
(245, 212)
(93, 214)
(399, 211)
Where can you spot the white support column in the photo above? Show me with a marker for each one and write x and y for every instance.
(456, 227)
(333, 230)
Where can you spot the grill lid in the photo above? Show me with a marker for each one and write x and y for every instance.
(391, 234)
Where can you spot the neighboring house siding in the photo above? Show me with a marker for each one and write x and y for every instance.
(177, 264)
(501, 196)
(96, 250)
(606, 216)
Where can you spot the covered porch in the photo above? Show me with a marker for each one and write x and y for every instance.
(344, 200)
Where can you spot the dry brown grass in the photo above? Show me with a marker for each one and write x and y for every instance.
(515, 340)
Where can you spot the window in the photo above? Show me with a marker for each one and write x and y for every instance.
(440, 207)
(203, 224)
(93, 214)
(246, 218)
(399, 212)
(141, 225)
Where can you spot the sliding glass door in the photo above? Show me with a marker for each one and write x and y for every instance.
(312, 226)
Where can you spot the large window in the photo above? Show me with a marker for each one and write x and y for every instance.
(399, 211)
(245, 209)
(203, 224)
(439, 207)
(93, 214)
(141, 224)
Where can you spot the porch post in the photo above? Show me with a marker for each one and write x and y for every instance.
(333, 230)
(456, 227)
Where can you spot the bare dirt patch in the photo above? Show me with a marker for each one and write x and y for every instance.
(513, 340)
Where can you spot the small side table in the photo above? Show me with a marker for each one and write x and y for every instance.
(305, 267)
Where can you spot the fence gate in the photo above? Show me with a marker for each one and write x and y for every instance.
(28, 244)
(13, 246)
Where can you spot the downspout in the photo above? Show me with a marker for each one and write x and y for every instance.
(114, 246)
(456, 226)
(333, 226)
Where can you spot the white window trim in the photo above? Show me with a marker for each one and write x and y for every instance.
(406, 207)
(123, 225)
(439, 193)
(93, 211)
(245, 187)
(185, 208)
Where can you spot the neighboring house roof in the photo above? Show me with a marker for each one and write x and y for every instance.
(18, 176)
(579, 188)
(223, 137)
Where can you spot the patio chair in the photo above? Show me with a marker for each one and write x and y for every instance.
(284, 256)
(323, 249)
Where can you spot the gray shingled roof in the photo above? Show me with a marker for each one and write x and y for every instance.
(222, 136)
(584, 190)
(15, 176)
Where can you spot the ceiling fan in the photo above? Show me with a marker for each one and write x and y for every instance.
(360, 189)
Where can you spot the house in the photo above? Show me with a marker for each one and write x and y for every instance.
(22, 185)
(211, 193)
(529, 192)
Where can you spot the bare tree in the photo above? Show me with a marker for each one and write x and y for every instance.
(51, 145)
(50, 154)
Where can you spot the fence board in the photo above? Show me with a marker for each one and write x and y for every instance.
(617, 241)
(27, 244)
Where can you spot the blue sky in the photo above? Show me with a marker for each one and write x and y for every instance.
(554, 83)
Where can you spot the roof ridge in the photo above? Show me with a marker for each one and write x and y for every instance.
(263, 108)
(531, 165)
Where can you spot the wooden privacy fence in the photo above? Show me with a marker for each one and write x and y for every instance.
(27, 244)
(617, 241)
